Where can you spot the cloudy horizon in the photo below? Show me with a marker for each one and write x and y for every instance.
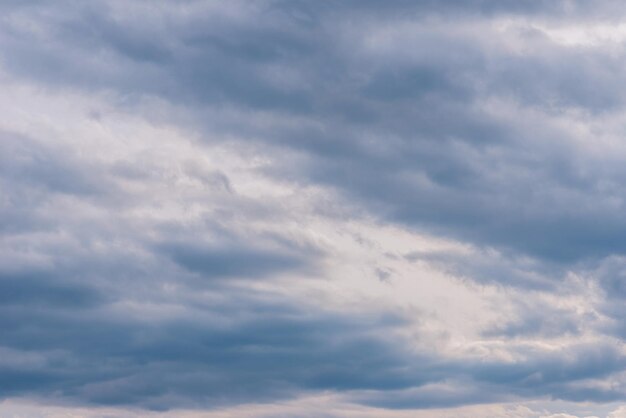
(302, 208)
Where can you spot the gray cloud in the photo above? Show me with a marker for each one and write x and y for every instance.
(565, 375)
(231, 262)
(409, 136)
(246, 349)
(423, 114)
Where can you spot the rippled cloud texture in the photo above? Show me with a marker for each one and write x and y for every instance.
(313, 208)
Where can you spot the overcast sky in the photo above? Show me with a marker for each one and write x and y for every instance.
(313, 208)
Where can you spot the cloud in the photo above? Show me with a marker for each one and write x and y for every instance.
(244, 349)
(180, 184)
(230, 262)
(435, 138)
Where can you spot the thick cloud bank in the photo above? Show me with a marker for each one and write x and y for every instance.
(313, 208)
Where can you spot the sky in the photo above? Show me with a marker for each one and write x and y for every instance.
(304, 208)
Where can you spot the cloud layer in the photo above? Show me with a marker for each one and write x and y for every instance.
(350, 208)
